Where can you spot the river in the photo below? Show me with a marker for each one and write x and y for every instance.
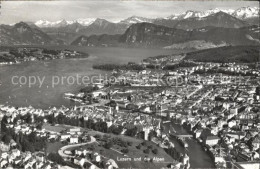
(47, 94)
(198, 157)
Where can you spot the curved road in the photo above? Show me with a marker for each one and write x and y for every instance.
(92, 140)
(62, 149)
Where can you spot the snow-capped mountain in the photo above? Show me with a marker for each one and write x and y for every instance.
(246, 12)
(86, 21)
(219, 19)
(45, 23)
(102, 26)
(135, 19)
(61, 23)
(197, 14)
(241, 13)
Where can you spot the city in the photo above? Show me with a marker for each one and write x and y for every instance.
(148, 93)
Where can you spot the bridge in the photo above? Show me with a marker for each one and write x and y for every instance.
(181, 136)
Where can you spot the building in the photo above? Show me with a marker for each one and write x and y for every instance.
(212, 140)
(74, 139)
(65, 136)
(247, 165)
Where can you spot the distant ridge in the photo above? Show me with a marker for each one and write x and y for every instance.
(151, 35)
(22, 33)
(242, 13)
(239, 54)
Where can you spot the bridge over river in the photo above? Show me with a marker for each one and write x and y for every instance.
(198, 157)
(181, 136)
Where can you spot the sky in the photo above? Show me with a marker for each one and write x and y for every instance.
(16, 11)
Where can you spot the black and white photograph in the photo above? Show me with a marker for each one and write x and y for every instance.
(129, 84)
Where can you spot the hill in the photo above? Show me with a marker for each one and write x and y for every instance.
(239, 54)
(22, 33)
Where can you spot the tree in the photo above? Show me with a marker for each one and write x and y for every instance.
(147, 151)
(131, 132)
(152, 134)
(27, 118)
(32, 137)
(144, 143)
(140, 135)
(40, 145)
(39, 126)
(155, 151)
(103, 127)
(125, 150)
(73, 152)
(116, 130)
(3, 124)
(27, 146)
(139, 146)
(108, 145)
(129, 143)
(7, 138)
(55, 157)
(60, 118)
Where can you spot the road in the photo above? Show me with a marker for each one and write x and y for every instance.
(92, 140)
(62, 149)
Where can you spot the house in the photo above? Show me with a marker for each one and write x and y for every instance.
(3, 163)
(99, 93)
(4, 155)
(4, 147)
(98, 158)
(16, 152)
(256, 143)
(75, 131)
(12, 143)
(248, 165)
(40, 157)
(237, 135)
(212, 140)
(145, 109)
(121, 104)
(198, 133)
(74, 139)
(64, 136)
(232, 123)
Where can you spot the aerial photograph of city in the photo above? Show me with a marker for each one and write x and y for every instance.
(129, 84)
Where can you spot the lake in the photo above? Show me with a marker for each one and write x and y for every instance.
(45, 94)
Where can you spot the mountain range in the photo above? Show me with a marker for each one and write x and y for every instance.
(152, 35)
(189, 29)
(69, 30)
(243, 13)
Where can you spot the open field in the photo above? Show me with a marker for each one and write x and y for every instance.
(58, 127)
(55, 128)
